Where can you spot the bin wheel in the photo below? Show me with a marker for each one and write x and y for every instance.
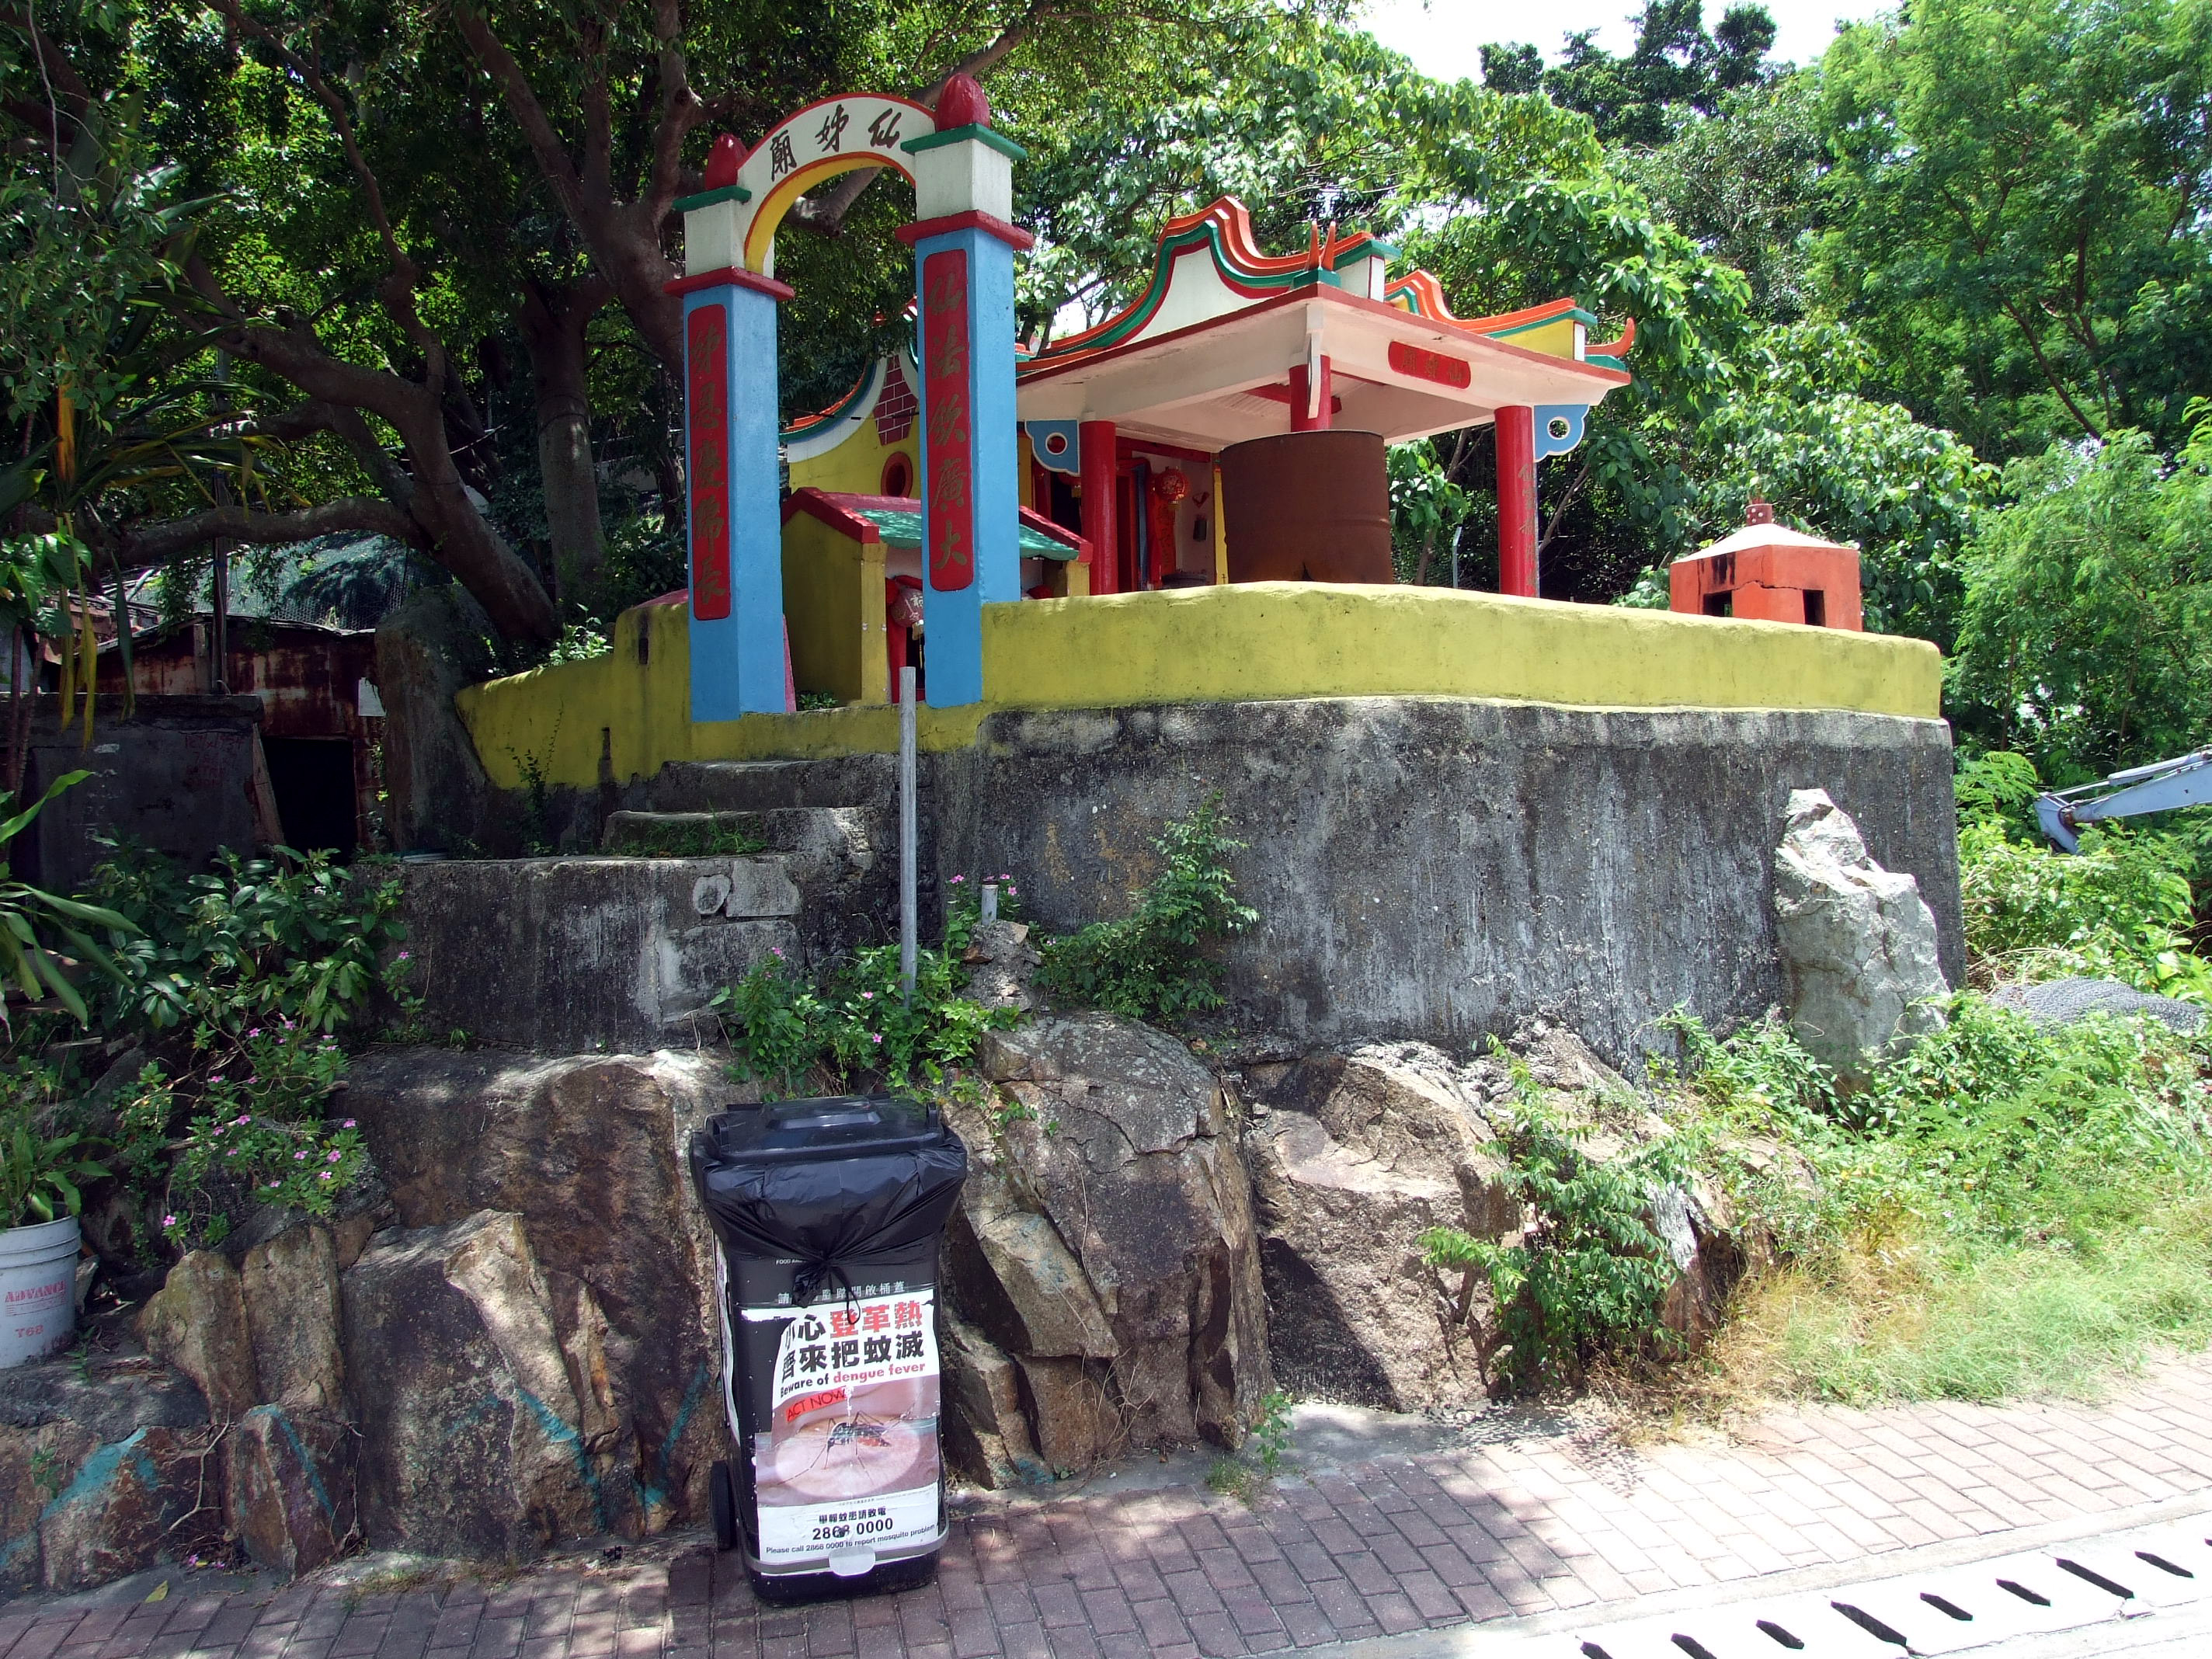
(723, 1497)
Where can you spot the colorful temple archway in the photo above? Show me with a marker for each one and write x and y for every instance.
(964, 243)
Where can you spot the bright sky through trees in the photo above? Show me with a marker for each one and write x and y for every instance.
(1445, 38)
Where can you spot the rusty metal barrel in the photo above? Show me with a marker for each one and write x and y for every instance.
(1308, 507)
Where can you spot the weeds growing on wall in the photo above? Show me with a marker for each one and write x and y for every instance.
(1151, 964)
(2009, 1209)
(855, 1022)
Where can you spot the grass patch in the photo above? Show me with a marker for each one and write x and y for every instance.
(690, 836)
(2007, 1212)
(1914, 1321)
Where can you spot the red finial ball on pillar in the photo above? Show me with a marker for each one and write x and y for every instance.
(962, 104)
(722, 162)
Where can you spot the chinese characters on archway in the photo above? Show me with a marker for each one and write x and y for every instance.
(827, 137)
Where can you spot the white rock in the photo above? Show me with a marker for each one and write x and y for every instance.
(1857, 941)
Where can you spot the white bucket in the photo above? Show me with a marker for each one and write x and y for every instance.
(38, 1290)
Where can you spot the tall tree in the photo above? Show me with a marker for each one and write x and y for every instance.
(2017, 212)
(1675, 63)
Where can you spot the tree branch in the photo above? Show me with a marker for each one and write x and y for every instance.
(514, 83)
(158, 543)
(826, 217)
(397, 290)
(680, 110)
(2050, 375)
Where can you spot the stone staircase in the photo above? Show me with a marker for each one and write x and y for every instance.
(705, 871)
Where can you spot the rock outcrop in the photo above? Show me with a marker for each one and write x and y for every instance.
(2067, 1001)
(473, 1424)
(1103, 1252)
(1353, 1157)
(290, 1283)
(1857, 942)
(196, 1322)
(587, 1151)
(1001, 963)
(103, 1469)
(289, 1487)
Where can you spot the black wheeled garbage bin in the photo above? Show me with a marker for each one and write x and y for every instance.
(826, 1215)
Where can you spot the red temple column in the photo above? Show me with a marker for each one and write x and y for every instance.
(1301, 398)
(1098, 454)
(1516, 501)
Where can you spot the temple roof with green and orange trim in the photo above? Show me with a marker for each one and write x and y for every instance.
(1202, 357)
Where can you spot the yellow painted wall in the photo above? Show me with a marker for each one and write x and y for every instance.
(832, 605)
(856, 466)
(1268, 640)
(1557, 338)
(1239, 643)
(641, 712)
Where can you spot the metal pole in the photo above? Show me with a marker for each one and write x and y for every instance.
(908, 927)
(219, 606)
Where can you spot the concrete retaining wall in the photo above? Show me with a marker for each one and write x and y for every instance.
(1442, 868)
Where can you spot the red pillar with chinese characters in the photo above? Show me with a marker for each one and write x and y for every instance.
(1516, 501)
(1096, 461)
(1302, 398)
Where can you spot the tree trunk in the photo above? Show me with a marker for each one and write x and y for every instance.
(553, 324)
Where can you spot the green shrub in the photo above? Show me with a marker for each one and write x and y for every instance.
(1150, 965)
(41, 1174)
(1588, 1274)
(249, 942)
(242, 979)
(854, 1020)
(2121, 908)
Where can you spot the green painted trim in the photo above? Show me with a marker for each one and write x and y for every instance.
(1372, 248)
(872, 379)
(979, 134)
(707, 198)
(901, 529)
(1169, 250)
(1573, 314)
(1608, 362)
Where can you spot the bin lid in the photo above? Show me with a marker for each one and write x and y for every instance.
(823, 1126)
(829, 1183)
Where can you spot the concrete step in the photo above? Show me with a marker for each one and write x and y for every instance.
(863, 781)
(841, 834)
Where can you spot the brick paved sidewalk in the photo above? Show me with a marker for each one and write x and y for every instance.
(1525, 1515)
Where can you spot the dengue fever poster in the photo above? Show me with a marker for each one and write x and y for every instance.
(847, 1458)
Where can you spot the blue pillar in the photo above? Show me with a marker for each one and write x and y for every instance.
(731, 433)
(971, 492)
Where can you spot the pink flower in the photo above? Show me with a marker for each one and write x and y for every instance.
(956, 880)
(867, 996)
(299, 1158)
(217, 1077)
(168, 1221)
(325, 1175)
(348, 1124)
(878, 1037)
(242, 1118)
(405, 955)
(332, 1158)
(255, 1032)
